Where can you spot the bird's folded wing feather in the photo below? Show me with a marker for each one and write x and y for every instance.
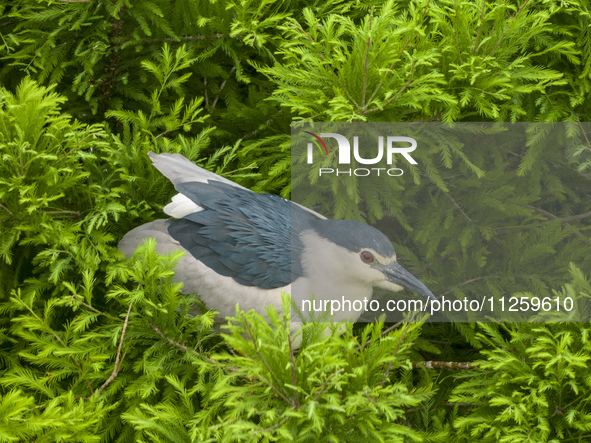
(253, 238)
(179, 169)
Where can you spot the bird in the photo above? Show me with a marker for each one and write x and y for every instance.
(245, 248)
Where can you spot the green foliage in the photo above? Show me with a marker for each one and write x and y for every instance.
(340, 387)
(97, 348)
(533, 383)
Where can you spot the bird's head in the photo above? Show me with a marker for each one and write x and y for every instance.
(355, 252)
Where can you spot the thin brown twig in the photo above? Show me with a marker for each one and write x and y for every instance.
(308, 118)
(388, 70)
(83, 303)
(76, 213)
(551, 216)
(497, 45)
(366, 65)
(391, 328)
(451, 365)
(74, 147)
(514, 153)
(267, 123)
(172, 342)
(118, 360)
(521, 9)
(446, 403)
(543, 212)
(457, 31)
(576, 217)
(265, 11)
(260, 431)
(180, 39)
(6, 209)
(458, 206)
(186, 348)
(325, 384)
(439, 342)
(425, 10)
(584, 133)
(409, 81)
(467, 282)
(215, 100)
(293, 375)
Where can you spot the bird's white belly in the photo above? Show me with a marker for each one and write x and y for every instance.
(222, 294)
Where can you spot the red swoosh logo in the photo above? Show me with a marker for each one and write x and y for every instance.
(319, 139)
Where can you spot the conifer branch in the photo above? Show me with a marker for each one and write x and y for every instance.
(479, 27)
(83, 303)
(395, 354)
(330, 68)
(391, 99)
(399, 54)
(188, 349)
(564, 221)
(325, 384)
(256, 349)
(451, 365)
(118, 363)
(508, 26)
(52, 332)
(293, 374)
(391, 328)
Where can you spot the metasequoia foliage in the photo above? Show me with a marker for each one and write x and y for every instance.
(98, 348)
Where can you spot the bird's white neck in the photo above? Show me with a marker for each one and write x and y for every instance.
(329, 280)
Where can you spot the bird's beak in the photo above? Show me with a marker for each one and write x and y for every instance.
(400, 276)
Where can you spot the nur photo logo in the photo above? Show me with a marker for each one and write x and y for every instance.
(393, 145)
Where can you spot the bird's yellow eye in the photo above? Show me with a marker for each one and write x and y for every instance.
(366, 256)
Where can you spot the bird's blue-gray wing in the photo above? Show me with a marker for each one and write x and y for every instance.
(252, 238)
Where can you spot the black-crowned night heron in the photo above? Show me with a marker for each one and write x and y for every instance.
(247, 248)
